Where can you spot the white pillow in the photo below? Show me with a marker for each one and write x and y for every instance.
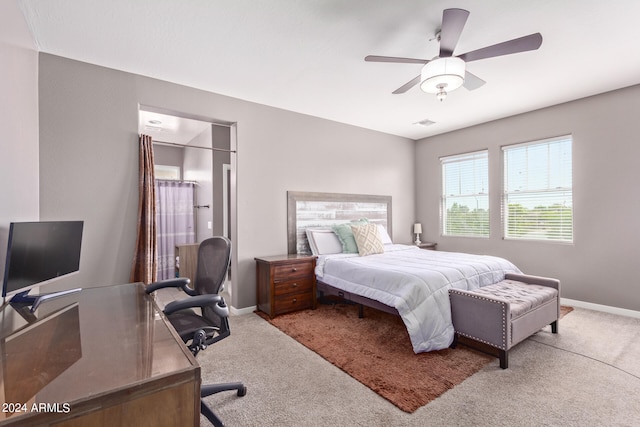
(384, 236)
(323, 242)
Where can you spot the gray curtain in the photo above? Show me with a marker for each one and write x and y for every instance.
(174, 222)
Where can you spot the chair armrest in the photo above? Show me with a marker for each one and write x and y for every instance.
(201, 301)
(481, 318)
(178, 282)
(534, 280)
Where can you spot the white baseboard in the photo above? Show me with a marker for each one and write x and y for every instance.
(600, 307)
(232, 310)
(239, 311)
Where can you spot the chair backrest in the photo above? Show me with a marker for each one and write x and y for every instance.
(214, 258)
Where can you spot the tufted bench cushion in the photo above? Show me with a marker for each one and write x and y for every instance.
(521, 296)
(503, 314)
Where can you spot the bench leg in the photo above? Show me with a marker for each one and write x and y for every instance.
(504, 358)
(454, 344)
(554, 327)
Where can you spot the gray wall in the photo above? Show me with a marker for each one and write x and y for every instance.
(198, 166)
(221, 140)
(602, 265)
(88, 169)
(89, 161)
(18, 124)
(169, 156)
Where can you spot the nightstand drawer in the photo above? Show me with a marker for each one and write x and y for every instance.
(292, 271)
(293, 302)
(294, 286)
(285, 283)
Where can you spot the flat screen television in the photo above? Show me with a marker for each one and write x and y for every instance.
(38, 253)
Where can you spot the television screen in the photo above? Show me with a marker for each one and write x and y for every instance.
(41, 251)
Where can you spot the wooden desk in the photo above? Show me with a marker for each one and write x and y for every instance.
(103, 357)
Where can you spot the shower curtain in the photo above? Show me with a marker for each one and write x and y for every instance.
(175, 222)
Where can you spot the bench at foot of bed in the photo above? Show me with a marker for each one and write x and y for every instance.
(503, 314)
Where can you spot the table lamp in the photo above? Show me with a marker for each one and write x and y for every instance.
(417, 229)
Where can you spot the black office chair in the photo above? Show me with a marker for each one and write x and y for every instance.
(202, 318)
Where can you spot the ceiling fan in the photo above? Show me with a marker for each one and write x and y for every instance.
(447, 72)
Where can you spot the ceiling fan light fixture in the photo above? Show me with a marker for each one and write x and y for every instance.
(442, 75)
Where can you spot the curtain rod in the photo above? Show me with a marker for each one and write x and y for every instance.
(190, 146)
(180, 181)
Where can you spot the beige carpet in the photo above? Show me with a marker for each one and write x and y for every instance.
(586, 375)
(376, 351)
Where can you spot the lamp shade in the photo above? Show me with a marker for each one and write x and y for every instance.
(417, 228)
(442, 74)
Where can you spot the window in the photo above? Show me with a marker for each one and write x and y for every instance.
(465, 195)
(166, 172)
(538, 195)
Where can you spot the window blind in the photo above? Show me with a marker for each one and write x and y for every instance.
(538, 190)
(465, 195)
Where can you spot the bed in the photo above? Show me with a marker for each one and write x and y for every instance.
(397, 278)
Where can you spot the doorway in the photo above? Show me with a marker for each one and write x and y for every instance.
(195, 152)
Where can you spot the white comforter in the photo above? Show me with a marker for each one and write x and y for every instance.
(416, 282)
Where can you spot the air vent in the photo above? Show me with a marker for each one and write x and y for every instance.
(425, 122)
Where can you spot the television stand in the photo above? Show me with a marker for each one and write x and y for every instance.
(35, 300)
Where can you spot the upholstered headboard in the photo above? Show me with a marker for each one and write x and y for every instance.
(305, 209)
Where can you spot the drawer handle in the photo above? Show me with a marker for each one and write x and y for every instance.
(293, 270)
(295, 300)
(295, 285)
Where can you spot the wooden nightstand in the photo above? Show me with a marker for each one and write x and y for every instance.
(285, 283)
(427, 245)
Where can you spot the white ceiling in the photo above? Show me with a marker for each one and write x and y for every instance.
(307, 56)
(174, 130)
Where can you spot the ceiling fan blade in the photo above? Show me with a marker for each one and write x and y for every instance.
(374, 58)
(522, 44)
(472, 82)
(453, 21)
(405, 87)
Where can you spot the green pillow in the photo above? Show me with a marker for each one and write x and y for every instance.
(345, 235)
